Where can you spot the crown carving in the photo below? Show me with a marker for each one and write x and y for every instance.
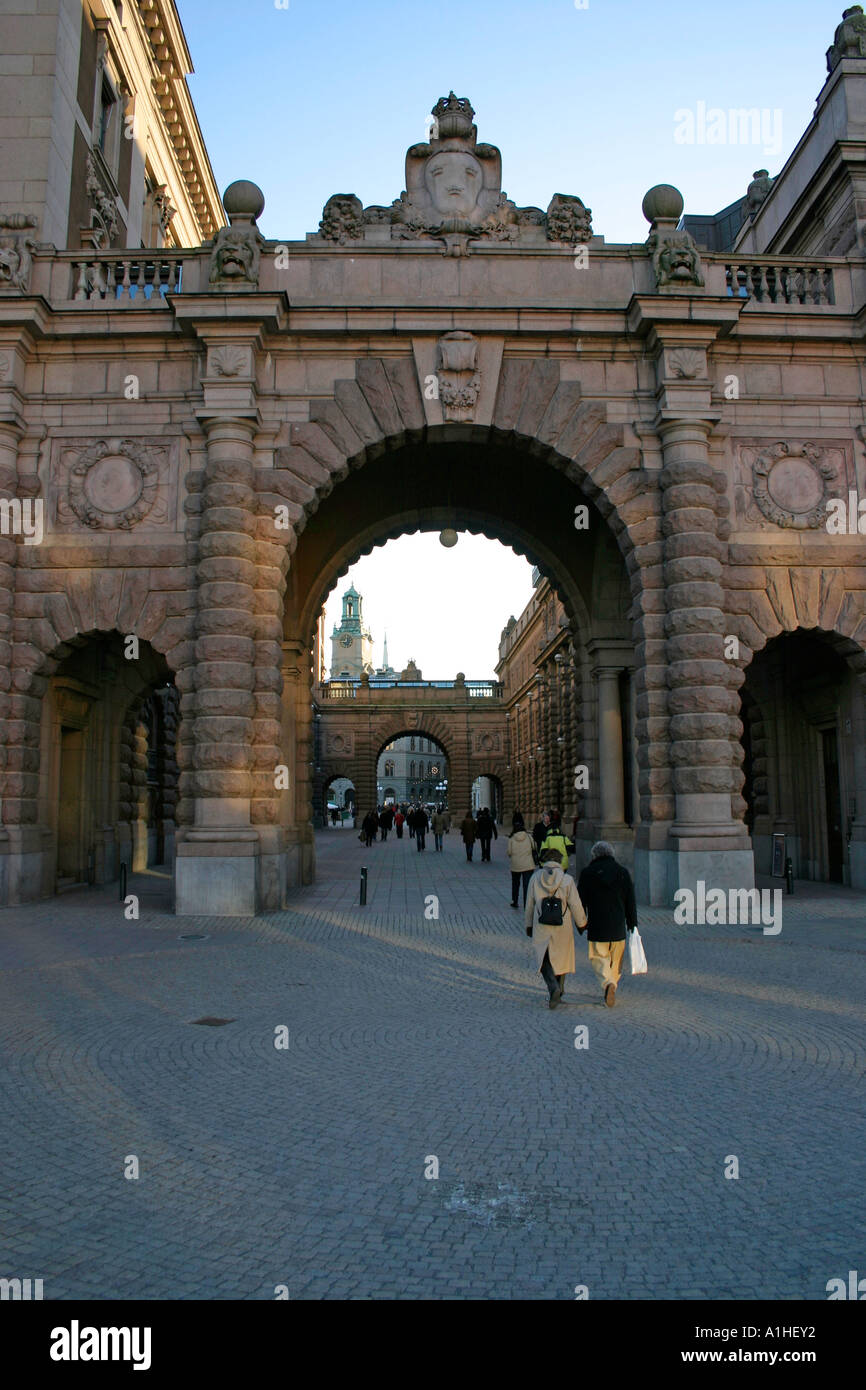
(454, 116)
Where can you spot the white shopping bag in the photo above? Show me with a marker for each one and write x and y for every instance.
(636, 957)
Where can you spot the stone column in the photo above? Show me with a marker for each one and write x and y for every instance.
(611, 787)
(857, 843)
(216, 866)
(706, 843)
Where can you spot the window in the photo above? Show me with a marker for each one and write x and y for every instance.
(412, 768)
(412, 744)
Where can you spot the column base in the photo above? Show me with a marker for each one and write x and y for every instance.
(217, 873)
(857, 863)
(715, 867)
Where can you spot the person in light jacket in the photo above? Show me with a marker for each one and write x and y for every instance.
(554, 945)
(440, 826)
(521, 858)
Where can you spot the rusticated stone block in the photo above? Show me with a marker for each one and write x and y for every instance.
(222, 675)
(215, 594)
(705, 646)
(541, 384)
(694, 544)
(703, 752)
(702, 779)
(685, 621)
(351, 401)
(580, 429)
(691, 495)
(562, 405)
(225, 783)
(337, 427)
(224, 648)
(698, 699)
(226, 569)
(694, 594)
(513, 381)
(685, 472)
(216, 701)
(371, 378)
(222, 755)
(403, 380)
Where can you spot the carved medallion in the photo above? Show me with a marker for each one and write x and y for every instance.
(111, 484)
(791, 484)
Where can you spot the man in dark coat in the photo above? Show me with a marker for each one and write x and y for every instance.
(486, 832)
(540, 829)
(386, 820)
(419, 821)
(606, 890)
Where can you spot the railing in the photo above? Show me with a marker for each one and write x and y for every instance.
(127, 279)
(348, 689)
(780, 281)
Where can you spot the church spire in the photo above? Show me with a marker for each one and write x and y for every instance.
(385, 654)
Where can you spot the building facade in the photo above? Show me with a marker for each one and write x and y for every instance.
(412, 769)
(195, 445)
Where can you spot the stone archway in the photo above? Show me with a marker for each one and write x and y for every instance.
(374, 461)
(103, 738)
(804, 735)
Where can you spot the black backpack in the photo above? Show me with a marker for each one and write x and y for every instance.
(551, 912)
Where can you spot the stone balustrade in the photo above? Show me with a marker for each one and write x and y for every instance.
(781, 280)
(349, 689)
(126, 279)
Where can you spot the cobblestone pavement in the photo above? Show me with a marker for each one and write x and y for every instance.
(408, 1038)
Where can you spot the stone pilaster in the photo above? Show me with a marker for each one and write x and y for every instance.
(706, 841)
(216, 869)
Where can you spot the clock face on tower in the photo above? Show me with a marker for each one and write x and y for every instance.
(346, 641)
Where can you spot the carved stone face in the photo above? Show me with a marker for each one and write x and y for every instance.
(453, 178)
(234, 257)
(678, 261)
(10, 262)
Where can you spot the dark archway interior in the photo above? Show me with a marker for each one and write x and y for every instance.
(504, 493)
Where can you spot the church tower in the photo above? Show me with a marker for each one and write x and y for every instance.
(351, 642)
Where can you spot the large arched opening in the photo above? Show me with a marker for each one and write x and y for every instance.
(507, 492)
(804, 770)
(106, 752)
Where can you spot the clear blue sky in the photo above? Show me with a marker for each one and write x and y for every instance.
(325, 96)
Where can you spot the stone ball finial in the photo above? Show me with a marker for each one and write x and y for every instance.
(663, 203)
(243, 200)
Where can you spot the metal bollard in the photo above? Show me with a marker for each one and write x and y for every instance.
(122, 882)
(363, 887)
(789, 874)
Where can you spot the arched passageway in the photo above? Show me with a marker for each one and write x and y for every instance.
(509, 494)
(803, 739)
(107, 755)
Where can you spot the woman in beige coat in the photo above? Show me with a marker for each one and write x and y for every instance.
(521, 856)
(554, 945)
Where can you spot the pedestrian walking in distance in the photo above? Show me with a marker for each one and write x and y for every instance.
(440, 826)
(386, 820)
(553, 910)
(554, 839)
(421, 824)
(486, 832)
(607, 892)
(398, 823)
(521, 857)
(369, 826)
(468, 830)
(540, 829)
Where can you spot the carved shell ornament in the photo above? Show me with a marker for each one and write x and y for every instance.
(229, 361)
(687, 363)
(113, 486)
(792, 483)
